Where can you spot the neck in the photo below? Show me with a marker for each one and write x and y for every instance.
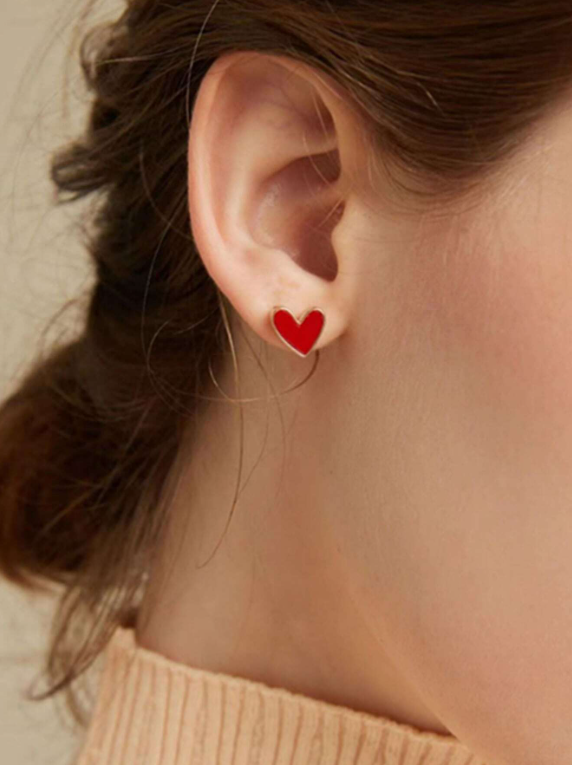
(279, 602)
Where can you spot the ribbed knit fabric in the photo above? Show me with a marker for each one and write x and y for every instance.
(151, 710)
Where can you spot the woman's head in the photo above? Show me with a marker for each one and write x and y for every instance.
(403, 167)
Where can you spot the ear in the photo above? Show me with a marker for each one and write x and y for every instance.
(274, 153)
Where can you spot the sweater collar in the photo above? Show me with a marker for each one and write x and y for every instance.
(150, 709)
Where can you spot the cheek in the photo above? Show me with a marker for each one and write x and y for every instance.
(499, 613)
(511, 316)
(479, 612)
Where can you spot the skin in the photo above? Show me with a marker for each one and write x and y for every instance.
(401, 544)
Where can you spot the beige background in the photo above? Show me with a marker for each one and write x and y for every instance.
(41, 266)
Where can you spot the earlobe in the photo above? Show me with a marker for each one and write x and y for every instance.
(267, 194)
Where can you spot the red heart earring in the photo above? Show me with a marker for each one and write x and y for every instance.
(301, 336)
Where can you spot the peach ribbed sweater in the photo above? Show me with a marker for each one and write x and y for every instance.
(151, 710)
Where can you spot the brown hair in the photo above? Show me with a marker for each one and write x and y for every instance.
(449, 91)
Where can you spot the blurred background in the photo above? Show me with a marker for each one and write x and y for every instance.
(42, 265)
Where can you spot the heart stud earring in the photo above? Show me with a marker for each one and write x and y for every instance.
(300, 336)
